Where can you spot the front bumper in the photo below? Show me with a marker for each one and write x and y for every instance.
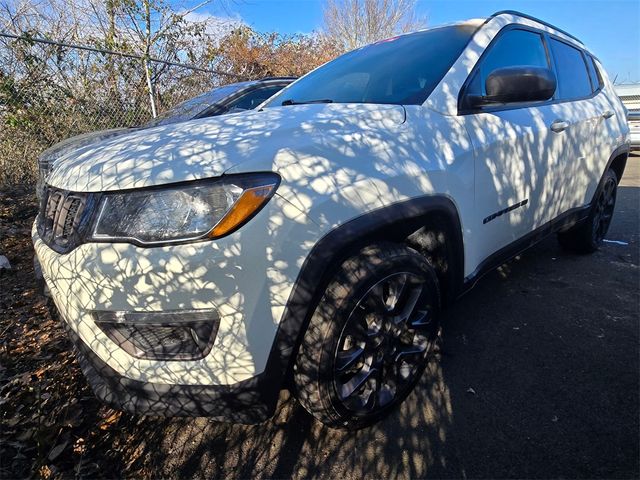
(250, 401)
(246, 277)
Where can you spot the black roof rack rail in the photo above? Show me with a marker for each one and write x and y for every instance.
(530, 17)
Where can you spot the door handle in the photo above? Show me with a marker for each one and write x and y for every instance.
(559, 126)
(607, 114)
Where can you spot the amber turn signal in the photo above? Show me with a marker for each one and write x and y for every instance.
(249, 202)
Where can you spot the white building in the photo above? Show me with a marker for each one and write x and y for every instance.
(630, 95)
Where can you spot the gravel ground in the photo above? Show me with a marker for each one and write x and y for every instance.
(538, 377)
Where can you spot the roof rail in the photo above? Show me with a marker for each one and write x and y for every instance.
(530, 17)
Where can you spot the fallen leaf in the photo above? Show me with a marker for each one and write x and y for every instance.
(57, 450)
(107, 422)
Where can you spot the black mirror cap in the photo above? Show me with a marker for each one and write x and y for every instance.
(520, 84)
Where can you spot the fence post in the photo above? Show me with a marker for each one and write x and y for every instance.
(152, 93)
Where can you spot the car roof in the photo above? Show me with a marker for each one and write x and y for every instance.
(479, 22)
(515, 13)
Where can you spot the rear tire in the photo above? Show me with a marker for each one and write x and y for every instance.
(587, 236)
(369, 337)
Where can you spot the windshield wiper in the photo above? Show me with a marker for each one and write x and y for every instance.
(293, 102)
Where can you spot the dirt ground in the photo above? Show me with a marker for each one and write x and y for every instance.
(539, 377)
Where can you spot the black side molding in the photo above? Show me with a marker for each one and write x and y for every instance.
(506, 253)
(563, 221)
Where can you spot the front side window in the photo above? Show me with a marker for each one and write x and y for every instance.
(571, 70)
(401, 70)
(514, 48)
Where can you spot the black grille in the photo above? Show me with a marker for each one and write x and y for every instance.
(63, 218)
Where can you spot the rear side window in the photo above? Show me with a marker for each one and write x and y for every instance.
(594, 74)
(513, 48)
(571, 70)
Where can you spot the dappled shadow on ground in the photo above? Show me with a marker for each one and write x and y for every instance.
(538, 377)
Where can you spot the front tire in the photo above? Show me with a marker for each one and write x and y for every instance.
(369, 337)
(587, 236)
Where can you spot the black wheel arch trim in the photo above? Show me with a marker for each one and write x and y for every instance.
(624, 149)
(395, 220)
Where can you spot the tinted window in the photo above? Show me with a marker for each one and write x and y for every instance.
(254, 98)
(190, 108)
(573, 79)
(400, 70)
(594, 74)
(513, 48)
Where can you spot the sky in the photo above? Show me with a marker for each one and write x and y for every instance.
(609, 28)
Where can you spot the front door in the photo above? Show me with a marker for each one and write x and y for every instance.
(518, 156)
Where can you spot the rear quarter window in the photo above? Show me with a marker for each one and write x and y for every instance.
(594, 74)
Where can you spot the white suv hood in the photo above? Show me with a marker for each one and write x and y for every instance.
(209, 147)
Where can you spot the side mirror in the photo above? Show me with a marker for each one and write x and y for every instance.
(517, 84)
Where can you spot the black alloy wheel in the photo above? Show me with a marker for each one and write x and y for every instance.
(383, 343)
(587, 235)
(603, 209)
(369, 336)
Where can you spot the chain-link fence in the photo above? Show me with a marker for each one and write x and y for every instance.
(50, 91)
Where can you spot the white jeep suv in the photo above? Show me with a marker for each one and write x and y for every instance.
(201, 267)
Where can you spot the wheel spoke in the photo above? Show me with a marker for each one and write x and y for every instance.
(374, 301)
(356, 382)
(347, 358)
(383, 342)
(394, 289)
(386, 394)
(364, 326)
(421, 319)
(408, 305)
(409, 351)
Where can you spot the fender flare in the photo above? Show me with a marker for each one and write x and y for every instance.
(624, 149)
(391, 222)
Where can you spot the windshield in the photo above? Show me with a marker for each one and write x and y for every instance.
(190, 108)
(400, 70)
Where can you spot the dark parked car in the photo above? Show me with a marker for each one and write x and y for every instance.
(231, 98)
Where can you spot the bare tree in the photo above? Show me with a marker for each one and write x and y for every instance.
(354, 23)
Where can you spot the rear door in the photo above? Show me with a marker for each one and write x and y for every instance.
(606, 126)
(577, 114)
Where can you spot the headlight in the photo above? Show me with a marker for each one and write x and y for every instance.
(193, 211)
